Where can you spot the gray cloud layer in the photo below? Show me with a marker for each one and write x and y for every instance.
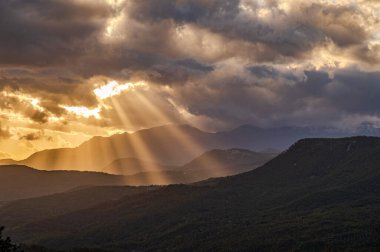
(228, 61)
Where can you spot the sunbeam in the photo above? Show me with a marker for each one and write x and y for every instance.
(140, 149)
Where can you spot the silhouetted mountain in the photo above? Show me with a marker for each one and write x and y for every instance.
(175, 145)
(166, 145)
(320, 194)
(18, 182)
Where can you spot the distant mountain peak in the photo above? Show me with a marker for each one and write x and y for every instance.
(169, 127)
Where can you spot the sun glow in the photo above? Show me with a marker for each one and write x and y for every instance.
(84, 111)
(114, 88)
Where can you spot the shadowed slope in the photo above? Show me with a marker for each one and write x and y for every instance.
(23, 182)
(33, 209)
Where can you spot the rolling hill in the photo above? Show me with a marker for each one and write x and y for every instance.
(18, 182)
(319, 195)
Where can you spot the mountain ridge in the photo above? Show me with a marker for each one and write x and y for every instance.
(175, 145)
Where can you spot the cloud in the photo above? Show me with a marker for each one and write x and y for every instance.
(267, 96)
(40, 32)
(214, 62)
(37, 135)
(39, 116)
(57, 45)
(31, 136)
(4, 132)
(279, 28)
(4, 155)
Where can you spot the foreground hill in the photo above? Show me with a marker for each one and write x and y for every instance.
(18, 182)
(320, 194)
(173, 145)
(39, 208)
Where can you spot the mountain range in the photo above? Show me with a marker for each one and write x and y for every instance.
(319, 195)
(174, 145)
(17, 181)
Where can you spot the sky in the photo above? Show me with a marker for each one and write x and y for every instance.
(73, 69)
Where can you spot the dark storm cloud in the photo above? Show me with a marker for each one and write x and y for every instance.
(183, 11)
(175, 72)
(262, 71)
(61, 42)
(43, 32)
(194, 65)
(42, 42)
(306, 26)
(356, 92)
(268, 96)
(67, 35)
